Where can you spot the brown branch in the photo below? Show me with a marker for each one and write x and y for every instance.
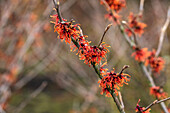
(134, 35)
(141, 7)
(119, 25)
(95, 66)
(106, 29)
(124, 67)
(116, 100)
(156, 102)
(121, 100)
(165, 26)
(57, 4)
(147, 73)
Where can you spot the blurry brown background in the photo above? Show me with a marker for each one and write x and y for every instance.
(30, 54)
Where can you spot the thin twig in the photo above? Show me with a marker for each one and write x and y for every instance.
(156, 102)
(106, 29)
(165, 26)
(147, 73)
(120, 26)
(141, 7)
(116, 100)
(57, 4)
(134, 35)
(97, 71)
(124, 67)
(121, 100)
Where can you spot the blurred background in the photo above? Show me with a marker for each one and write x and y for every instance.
(39, 74)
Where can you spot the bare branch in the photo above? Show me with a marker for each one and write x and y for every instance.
(161, 38)
(141, 7)
(134, 35)
(57, 4)
(148, 75)
(106, 29)
(124, 67)
(121, 100)
(156, 102)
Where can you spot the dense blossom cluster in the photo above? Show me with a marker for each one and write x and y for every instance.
(158, 92)
(92, 54)
(136, 26)
(149, 58)
(140, 109)
(67, 31)
(112, 81)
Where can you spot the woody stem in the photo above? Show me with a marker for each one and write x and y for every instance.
(120, 26)
(106, 29)
(124, 67)
(156, 102)
(96, 68)
(116, 100)
(148, 75)
(133, 33)
(57, 4)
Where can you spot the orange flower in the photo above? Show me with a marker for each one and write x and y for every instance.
(103, 50)
(68, 32)
(140, 109)
(91, 53)
(109, 16)
(138, 28)
(116, 5)
(141, 54)
(106, 91)
(156, 63)
(113, 81)
(65, 29)
(102, 69)
(113, 17)
(158, 92)
(129, 32)
(135, 25)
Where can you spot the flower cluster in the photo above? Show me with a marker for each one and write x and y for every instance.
(149, 58)
(115, 5)
(156, 63)
(140, 109)
(112, 81)
(158, 92)
(140, 54)
(113, 17)
(91, 54)
(67, 31)
(136, 26)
